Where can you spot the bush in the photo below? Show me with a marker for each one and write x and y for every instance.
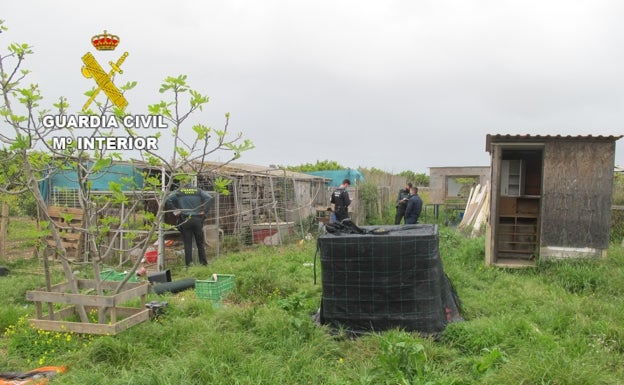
(617, 225)
(20, 205)
(369, 198)
(617, 216)
(618, 189)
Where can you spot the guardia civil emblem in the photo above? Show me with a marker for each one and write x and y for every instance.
(103, 79)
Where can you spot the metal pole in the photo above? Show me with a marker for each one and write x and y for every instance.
(217, 221)
(121, 235)
(161, 237)
(279, 232)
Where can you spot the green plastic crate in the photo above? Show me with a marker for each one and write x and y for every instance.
(112, 275)
(215, 288)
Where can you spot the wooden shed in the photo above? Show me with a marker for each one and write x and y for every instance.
(551, 197)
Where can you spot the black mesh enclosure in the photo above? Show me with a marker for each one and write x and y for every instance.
(378, 278)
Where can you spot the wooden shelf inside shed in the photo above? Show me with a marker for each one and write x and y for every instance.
(518, 228)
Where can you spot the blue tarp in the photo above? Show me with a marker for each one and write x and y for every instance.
(337, 176)
(127, 175)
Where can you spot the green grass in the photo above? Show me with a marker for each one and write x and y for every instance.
(22, 235)
(558, 323)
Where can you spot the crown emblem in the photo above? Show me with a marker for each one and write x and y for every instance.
(105, 41)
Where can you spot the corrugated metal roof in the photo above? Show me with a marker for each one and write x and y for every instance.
(241, 169)
(496, 138)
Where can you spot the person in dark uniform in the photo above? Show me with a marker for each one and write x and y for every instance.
(401, 203)
(191, 206)
(340, 199)
(414, 207)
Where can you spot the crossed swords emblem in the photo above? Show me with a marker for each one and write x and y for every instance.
(93, 69)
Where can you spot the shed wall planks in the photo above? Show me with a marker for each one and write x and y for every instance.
(576, 196)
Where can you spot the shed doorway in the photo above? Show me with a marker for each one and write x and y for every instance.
(517, 229)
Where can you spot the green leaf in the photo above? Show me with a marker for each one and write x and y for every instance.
(101, 164)
(182, 152)
(21, 142)
(67, 217)
(201, 131)
(221, 185)
(128, 86)
(90, 92)
(62, 104)
(153, 160)
(197, 99)
(154, 109)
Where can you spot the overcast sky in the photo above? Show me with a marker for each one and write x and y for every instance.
(396, 85)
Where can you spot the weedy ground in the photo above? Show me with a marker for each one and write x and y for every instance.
(557, 323)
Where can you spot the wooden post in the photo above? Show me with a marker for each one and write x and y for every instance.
(4, 226)
(277, 221)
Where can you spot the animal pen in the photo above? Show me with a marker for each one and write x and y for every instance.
(264, 201)
(263, 204)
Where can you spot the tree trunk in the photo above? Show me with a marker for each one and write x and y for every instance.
(69, 276)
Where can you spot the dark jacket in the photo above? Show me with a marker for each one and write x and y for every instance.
(414, 207)
(403, 194)
(191, 201)
(340, 198)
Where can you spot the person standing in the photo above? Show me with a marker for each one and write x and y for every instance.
(401, 203)
(191, 206)
(414, 207)
(340, 199)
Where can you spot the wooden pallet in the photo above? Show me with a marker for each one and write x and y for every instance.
(69, 221)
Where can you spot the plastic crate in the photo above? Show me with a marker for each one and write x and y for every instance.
(112, 275)
(215, 288)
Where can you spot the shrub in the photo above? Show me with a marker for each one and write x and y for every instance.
(617, 226)
(618, 189)
(369, 197)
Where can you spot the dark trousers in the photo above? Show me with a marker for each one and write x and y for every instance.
(400, 214)
(341, 213)
(193, 227)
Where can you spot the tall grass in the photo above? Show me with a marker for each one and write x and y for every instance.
(558, 323)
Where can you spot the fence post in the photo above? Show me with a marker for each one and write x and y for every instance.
(4, 226)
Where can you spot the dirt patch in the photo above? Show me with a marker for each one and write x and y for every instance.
(14, 250)
(21, 239)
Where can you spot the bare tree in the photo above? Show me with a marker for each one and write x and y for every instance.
(30, 144)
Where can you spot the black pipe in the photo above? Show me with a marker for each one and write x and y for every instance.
(160, 277)
(175, 286)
